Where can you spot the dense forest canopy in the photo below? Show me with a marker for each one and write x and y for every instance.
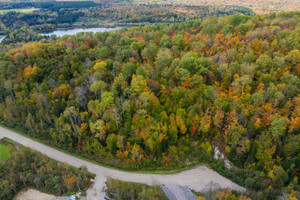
(165, 95)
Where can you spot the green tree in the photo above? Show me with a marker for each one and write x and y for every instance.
(128, 70)
(98, 129)
(138, 84)
(278, 127)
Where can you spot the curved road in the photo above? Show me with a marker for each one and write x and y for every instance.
(200, 179)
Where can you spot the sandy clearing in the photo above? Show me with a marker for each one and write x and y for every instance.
(200, 178)
(32, 194)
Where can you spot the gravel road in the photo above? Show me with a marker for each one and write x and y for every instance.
(200, 178)
(1, 39)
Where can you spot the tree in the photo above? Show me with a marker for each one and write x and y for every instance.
(278, 97)
(63, 130)
(178, 41)
(30, 71)
(149, 52)
(30, 122)
(98, 87)
(163, 60)
(265, 152)
(257, 98)
(111, 142)
(173, 129)
(100, 68)
(98, 128)
(137, 153)
(265, 63)
(72, 114)
(107, 101)
(293, 57)
(242, 82)
(278, 127)
(19, 58)
(128, 70)
(138, 84)
(270, 91)
(235, 133)
(188, 61)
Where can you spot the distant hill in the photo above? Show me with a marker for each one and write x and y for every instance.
(265, 6)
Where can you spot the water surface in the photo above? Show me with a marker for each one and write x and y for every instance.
(74, 31)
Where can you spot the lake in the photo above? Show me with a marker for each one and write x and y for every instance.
(74, 31)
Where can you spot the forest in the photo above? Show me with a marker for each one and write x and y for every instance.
(164, 96)
(27, 168)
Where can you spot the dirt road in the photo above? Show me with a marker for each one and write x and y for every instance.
(200, 178)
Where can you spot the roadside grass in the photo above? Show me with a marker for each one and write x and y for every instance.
(7, 140)
(21, 10)
(4, 153)
(167, 171)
